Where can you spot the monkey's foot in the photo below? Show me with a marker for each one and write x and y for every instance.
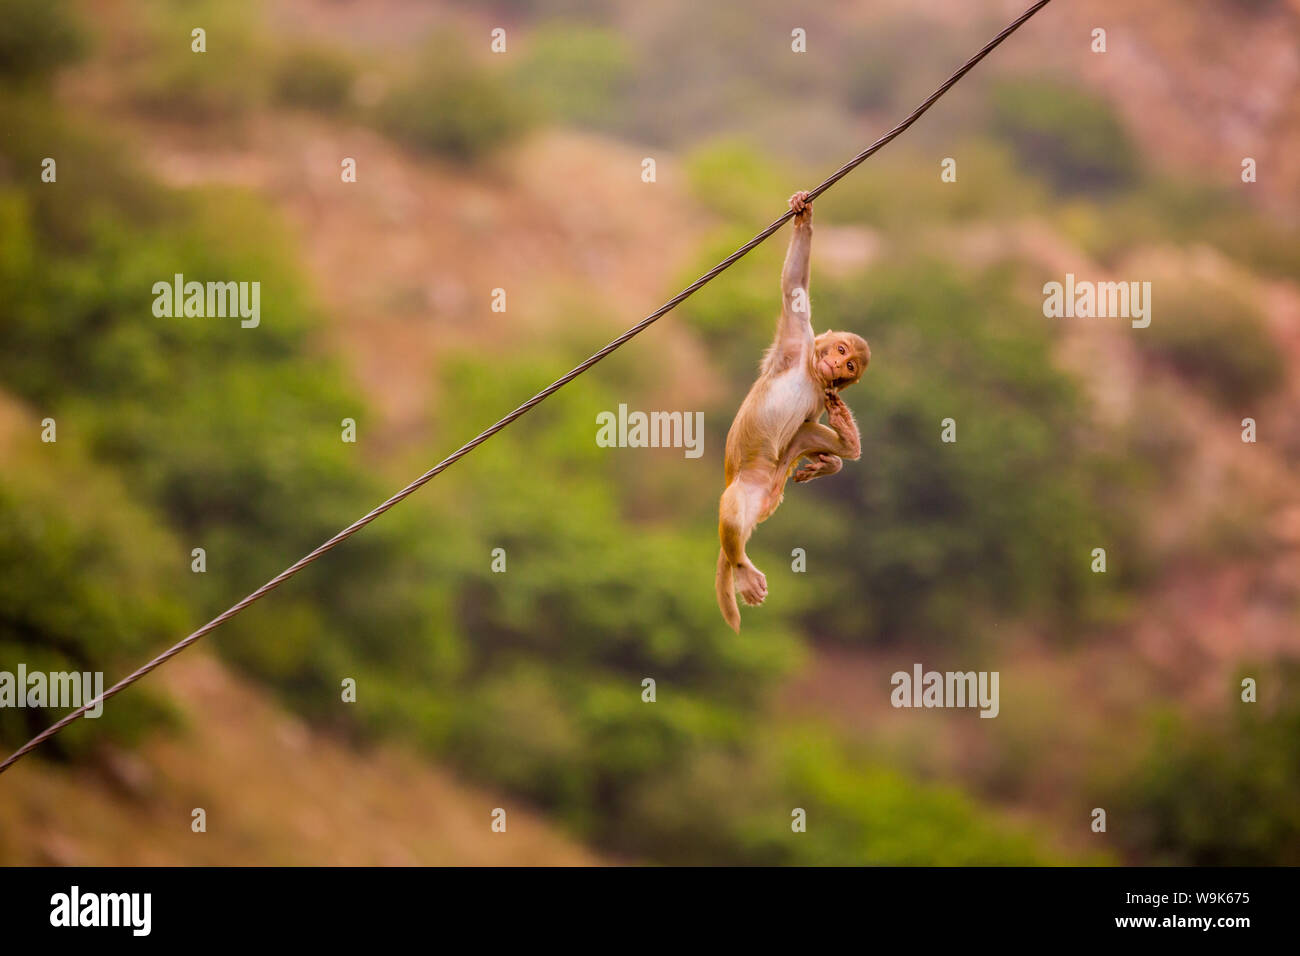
(752, 584)
(822, 465)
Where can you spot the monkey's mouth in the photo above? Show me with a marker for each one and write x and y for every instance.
(827, 370)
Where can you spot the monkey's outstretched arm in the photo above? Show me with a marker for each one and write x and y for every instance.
(796, 312)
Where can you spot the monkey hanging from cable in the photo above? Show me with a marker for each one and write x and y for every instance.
(778, 422)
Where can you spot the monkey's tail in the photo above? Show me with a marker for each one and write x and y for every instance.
(726, 586)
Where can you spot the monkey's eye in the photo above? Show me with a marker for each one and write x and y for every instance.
(850, 366)
(841, 350)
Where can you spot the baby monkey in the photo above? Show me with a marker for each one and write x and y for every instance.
(777, 424)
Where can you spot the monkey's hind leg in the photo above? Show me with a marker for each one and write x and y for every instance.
(737, 516)
(806, 442)
(821, 465)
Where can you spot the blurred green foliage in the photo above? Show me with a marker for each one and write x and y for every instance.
(1215, 337)
(452, 105)
(1220, 795)
(891, 63)
(36, 38)
(1070, 137)
(230, 434)
(94, 181)
(168, 78)
(732, 179)
(862, 813)
(80, 569)
(1170, 210)
(578, 73)
(314, 77)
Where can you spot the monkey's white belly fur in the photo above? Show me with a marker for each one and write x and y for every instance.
(792, 400)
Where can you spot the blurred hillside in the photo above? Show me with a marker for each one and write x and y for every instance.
(274, 793)
(522, 171)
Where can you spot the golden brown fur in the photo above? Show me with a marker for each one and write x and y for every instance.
(778, 422)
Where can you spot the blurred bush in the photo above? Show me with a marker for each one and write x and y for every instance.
(1169, 210)
(452, 106)
(1219, 795)
(84, 579)
(166, 77)
(36, 38)
(578, 73)
(1216, 337)
(95, 180)
(731, 177)
(859, 813)
(315, 78)
(1069, 137)
(893, 62)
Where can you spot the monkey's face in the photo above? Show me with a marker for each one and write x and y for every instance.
(841, 358)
